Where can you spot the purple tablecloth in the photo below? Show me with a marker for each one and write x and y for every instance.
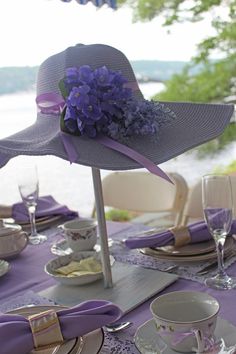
(27, 273)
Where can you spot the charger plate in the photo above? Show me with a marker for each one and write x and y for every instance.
(187, 258)
(148, 341)
(188, 250)
(90, 343)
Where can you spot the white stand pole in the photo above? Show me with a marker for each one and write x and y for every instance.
(106, 267)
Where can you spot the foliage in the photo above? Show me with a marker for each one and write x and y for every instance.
(217, 79)
(14, 79)
(118, 215)
(231, 168)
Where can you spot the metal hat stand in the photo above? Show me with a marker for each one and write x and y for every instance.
(132, 284)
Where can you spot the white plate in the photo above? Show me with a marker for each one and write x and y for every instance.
(4, 267)
(90, 343)
(195, 258)
(61, 261)
(188, 250)
(148, 341)
(41, 223)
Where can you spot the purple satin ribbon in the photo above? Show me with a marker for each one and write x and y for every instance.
(53, 103)
(50, 103)
(134, 155)
(178, 337)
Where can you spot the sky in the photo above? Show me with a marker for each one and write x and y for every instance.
(32, 30)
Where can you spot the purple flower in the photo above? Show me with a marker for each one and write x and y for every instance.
(92, 109)
(78, 96)
(103, 76)
(99, 102)
(85, 74)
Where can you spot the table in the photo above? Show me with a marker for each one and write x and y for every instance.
(27, 273)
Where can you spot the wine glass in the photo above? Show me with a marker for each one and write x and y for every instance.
(28, 185)
(218, 210)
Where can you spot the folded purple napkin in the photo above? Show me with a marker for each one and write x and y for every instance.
(46, 206)
(16, 335)
(198, 233)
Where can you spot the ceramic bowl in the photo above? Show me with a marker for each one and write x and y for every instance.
(12, 240)
(51, 266)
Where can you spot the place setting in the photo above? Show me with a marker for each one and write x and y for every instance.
(197, 246)
(78, 260)
(75, 330)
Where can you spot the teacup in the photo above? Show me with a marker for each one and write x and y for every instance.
(185, 320)
(81, 234)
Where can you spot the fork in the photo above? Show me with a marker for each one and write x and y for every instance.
(214, 264)
(170, 269)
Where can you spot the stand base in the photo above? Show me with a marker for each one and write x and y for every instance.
(132, 286)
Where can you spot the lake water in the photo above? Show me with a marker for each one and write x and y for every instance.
(72, 184)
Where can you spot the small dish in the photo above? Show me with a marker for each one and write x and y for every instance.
(4, 267)
(51, 266)
(147, 340)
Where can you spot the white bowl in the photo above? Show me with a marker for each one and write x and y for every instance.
(51, 266)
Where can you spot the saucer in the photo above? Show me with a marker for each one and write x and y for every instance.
(61, 248)
(148, 341)
(4, 267)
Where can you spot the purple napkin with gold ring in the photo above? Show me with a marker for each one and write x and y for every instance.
(15, 330)
(46, 206)
(197, 232)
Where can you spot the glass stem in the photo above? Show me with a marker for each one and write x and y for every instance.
(220, 257)
(31, 210)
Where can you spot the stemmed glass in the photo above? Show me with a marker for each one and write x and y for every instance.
(28, 185)
(218, 209)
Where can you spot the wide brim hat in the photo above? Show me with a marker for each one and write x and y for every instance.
(194, 123)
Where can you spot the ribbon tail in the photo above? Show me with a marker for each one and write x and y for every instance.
(69, 147)
(134, 155)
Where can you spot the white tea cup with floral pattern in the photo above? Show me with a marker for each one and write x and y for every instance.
(81, 234)
(186, 320)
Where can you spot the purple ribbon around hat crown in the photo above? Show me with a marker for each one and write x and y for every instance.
(53, 103)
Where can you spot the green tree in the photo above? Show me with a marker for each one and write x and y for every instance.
(216, 79)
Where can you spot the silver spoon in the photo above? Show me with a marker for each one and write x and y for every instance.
(119, 326)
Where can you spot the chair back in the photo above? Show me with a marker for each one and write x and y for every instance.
(143, 192)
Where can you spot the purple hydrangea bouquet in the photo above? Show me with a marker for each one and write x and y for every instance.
(99, 101)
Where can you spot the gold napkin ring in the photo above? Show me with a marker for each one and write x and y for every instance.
(181, 235)
(45, 329)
